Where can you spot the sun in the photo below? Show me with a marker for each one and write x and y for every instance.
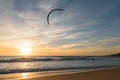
(25, 48)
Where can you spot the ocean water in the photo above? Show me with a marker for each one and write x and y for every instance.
(41, 64)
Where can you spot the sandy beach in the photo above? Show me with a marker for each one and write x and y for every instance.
(110, 74)
(107, 74)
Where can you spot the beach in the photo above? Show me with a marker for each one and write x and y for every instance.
(106, 74)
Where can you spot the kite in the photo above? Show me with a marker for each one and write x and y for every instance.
(51, 12)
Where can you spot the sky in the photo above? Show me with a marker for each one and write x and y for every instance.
(84, 28)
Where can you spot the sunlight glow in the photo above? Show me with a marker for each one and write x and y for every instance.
(25, 48)
(24, 75)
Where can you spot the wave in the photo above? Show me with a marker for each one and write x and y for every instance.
(47, 59)
(44, 59)
(7, 71)
(35, 64)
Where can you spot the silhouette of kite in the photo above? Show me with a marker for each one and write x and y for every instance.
(51, 12)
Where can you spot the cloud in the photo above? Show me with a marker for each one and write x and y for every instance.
(71, 29)
(99, 44)
(78, 35)
(48, 4)
(108, 42)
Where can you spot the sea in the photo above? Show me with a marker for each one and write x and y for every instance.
(17, 64)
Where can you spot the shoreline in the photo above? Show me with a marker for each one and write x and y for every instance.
(106, 74)
(47, 75)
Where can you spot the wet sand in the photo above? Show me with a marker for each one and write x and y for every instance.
(107, 74)
(110, 74)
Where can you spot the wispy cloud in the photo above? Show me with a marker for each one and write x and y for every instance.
(78, 27)
(48, 4)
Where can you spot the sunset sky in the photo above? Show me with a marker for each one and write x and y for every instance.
(85, 27)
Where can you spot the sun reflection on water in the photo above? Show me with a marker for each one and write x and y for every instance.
(24, 75)
(24, 65)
